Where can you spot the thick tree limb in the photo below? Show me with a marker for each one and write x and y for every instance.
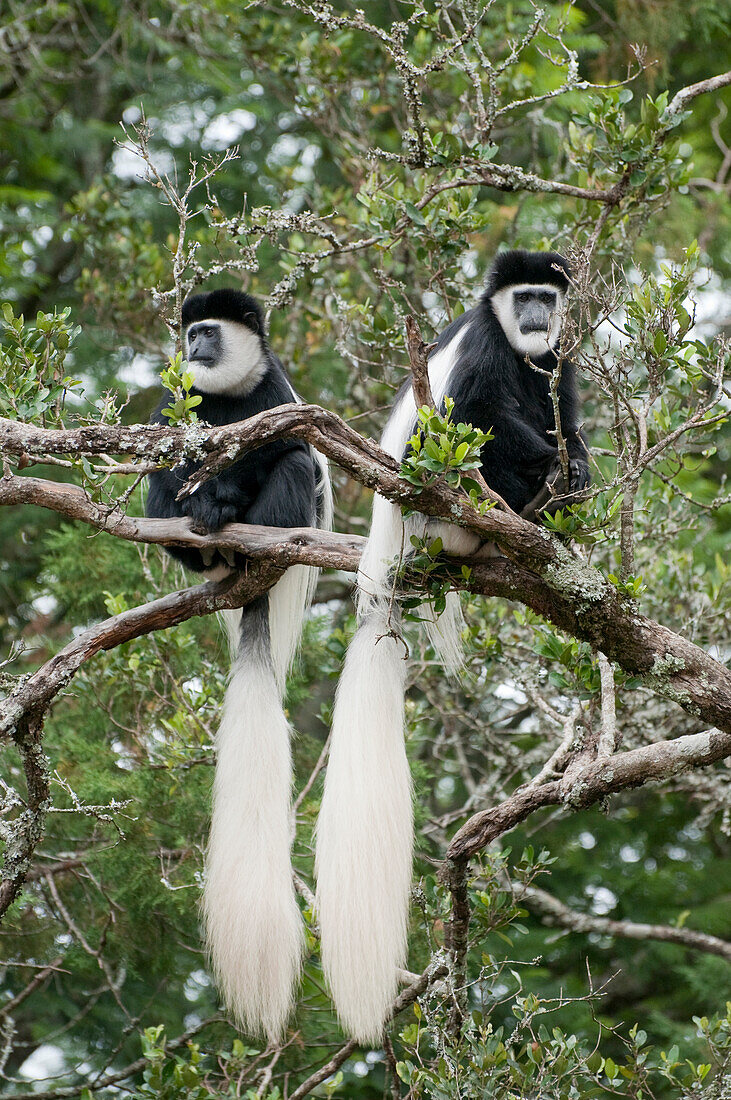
(282, 546)
(560, 587)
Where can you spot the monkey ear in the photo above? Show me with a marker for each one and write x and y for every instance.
(252, 322)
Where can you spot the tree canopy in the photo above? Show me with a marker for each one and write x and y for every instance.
(353, 168)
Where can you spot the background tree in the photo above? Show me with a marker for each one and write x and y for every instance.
(353, 168)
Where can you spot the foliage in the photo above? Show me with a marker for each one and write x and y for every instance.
(381, 161)
(33, 383)
(441, 448)
(179, 382)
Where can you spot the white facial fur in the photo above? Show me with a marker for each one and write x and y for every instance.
(527, 343)
(241, 366)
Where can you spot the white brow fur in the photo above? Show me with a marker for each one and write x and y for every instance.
(242, 364)
(527, 343)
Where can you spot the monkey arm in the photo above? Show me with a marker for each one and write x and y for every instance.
(164, 486)
(517, 442)
(287, 497)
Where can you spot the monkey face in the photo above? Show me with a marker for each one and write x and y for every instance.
(225, 356)
(533, 308)
(530, 316)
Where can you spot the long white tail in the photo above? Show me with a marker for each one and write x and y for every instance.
(365, 826)
(364, 832)
(253, 926)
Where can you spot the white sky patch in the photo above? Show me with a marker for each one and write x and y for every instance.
(44, 605)
(127, 166)
(141, 372)
(285, 148)
(227, 129)
(125, 761)
(42, 235)
(309, 158)
(196, 983)
(445, 786)
(512, 692)
(46, 1060)
(587, 841)
(628, 854)
(602, 900)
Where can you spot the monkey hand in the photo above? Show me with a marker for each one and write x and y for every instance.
(579, 476)
(206, 512)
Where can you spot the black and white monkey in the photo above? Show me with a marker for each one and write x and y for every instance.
(253, 926)
(365, 826)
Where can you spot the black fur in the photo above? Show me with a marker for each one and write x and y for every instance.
(494, 388)
(519, 266)
(273, 486)
(224, 305)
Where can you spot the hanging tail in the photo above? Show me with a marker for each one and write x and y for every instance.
(365, 826)
(253, 927)
(364, 832)
(252, 921)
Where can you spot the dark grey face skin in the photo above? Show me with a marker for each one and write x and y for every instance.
(533, 308)
(205, 343)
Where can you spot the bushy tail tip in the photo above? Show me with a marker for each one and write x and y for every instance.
(252, 921)
(365, 833)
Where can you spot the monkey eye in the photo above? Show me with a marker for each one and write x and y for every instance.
(548, 299)
(523, 296)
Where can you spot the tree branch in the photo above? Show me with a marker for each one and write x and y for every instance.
(623, 771)
(33, 695)
(543, 574)
(558, 915)
(22, 712)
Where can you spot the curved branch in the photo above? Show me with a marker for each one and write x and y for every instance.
(543, 574)
(592, 783)
(33, 695)
(23, 711)
(558, 915)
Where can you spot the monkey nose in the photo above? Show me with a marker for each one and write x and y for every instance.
(535, 319)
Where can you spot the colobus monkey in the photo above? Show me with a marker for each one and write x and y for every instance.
(365, 826)
(252, 921)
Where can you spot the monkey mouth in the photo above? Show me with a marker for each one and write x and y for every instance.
(528, 329)
(205, 361)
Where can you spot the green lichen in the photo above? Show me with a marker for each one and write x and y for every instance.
(658, 678)
(662, 667)
(572, 578)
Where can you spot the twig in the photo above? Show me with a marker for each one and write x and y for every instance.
(407, 996)
(608, 736)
